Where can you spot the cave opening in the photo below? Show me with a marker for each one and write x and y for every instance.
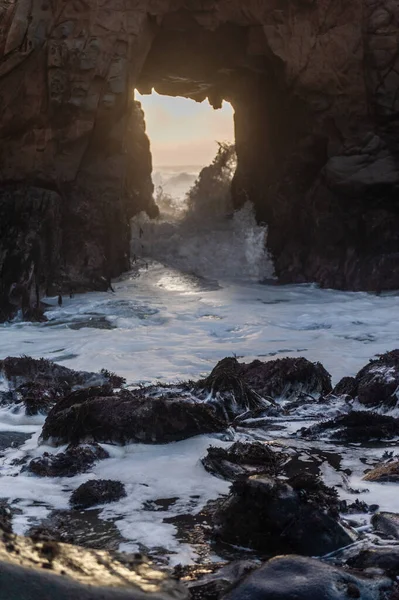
(185, 137)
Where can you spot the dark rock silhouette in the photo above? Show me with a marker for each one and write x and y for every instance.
(356, 426)
(277, 517)
(128, 417)
(75, 459)
(376, 384)
(97, 491)
(299, 578)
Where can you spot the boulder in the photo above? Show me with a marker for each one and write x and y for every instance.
(300, 578)
(75, 459)
(386, 559)
(97, 491)
(39, 384)
(45, 569)
(287, 378)
(226, 389)
(386, 472)
(376, 384)
(216, 585)
(273, 516)
(356, 426)
(386, 524)
(242, 459)
(128, 417)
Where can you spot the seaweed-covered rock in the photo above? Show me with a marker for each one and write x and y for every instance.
(97, 491)
(287, 378)
(128, 417)
(45, 569)
(242, 459)
(387, 524)
(236, 388)
(226, 389)
(356, 426)
(39, 384)
(386, 559)
(376, 384)
(275, 517)
(75, 459)
(386, 472)
(300, 578)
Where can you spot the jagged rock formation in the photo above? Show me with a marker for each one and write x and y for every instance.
(314, 86)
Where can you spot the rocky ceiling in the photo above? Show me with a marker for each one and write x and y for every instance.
(314, 84)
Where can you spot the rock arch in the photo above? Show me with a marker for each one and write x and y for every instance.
(314, 85)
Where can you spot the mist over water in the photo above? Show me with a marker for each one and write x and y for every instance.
(210, 240)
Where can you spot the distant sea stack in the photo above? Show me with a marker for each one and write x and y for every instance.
(314, 89)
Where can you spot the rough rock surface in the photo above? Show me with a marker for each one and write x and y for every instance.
(356, 426)
(256, 388)
(387, 524)
(216, 585)
(386, 472)
(376, 385)
(128, 417)
(287, 378)
(38, 384)
(97, 491)
(242, 459)
(276, 517)
(75, 459)
(314, 87)
(299, 578)
(47, 570)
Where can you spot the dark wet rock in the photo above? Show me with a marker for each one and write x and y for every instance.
(287, 378)
(129, 417)
(5, 517)
(230, 393)
(242, 459)
(216, 585)
(80, 527)
(356, 507)
(300, 578)
(386, 472)
(345, 387)
(75, 459)
(274, 517)
(45, 569)
(356, 426)
(12, 439)
(255, 388)
(386, 524)
(386, 559)
(97, 491)
(376, 384)
(39, 384)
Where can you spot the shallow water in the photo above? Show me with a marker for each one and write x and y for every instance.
(166, 324)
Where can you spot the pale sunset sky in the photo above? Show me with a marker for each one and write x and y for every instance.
(184, 132)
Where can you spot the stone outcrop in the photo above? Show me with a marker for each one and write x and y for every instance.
(277, 517)
(44, 569)
(127, 417)
(97, 491)
(375, 385)
(299, 578)
(314, 87)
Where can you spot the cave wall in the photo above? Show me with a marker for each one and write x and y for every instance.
(314, 84)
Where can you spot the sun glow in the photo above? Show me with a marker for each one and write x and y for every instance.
(185, 132)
